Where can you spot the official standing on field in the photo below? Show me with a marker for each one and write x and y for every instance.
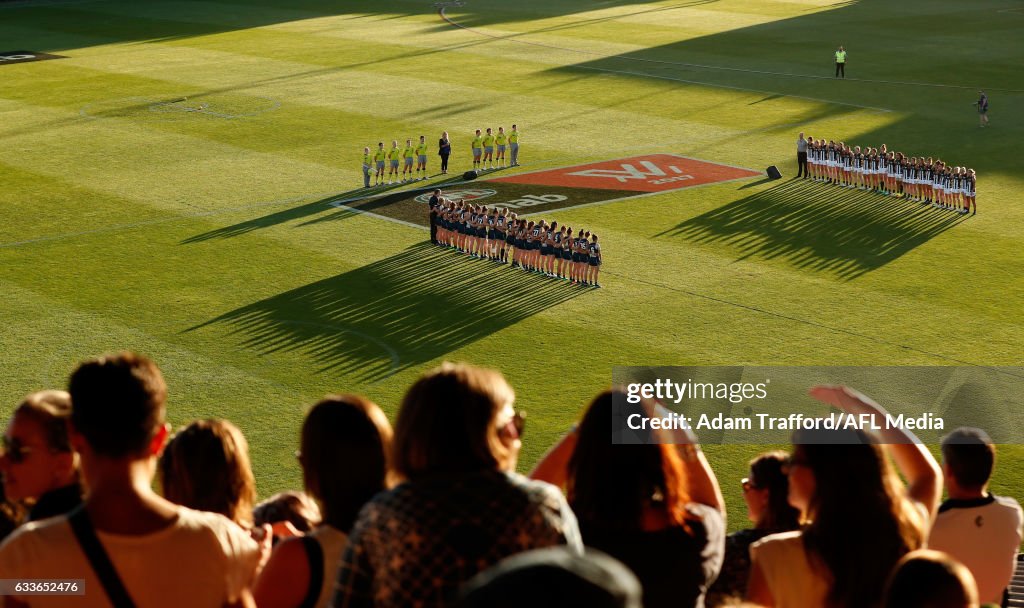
(801, 156)
(513, 145)
(366, 167)
(841, 62)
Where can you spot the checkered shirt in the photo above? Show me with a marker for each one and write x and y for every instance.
(414, 545)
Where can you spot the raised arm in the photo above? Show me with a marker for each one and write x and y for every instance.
(554, 466)
(915, 462)
(703, 485)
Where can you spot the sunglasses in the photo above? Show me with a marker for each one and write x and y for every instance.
(748, 485)
(13, 450)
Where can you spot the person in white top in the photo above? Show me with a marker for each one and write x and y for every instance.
(161, 554)
(344, 455)
(860, 518)
(978, 529)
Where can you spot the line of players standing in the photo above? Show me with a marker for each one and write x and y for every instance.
(535, 246)
(916, 178)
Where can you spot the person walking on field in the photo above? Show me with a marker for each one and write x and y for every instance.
(982, 104)
(801, 157)
(841, 62)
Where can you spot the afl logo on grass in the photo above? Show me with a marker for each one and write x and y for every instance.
(459, 196)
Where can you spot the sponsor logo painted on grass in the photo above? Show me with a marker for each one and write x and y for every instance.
(9, 57)
(465, 195)
(649, 173)
(411, 207)
(542, 192)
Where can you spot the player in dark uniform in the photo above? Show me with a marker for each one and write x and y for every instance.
(532, 230)
(500, 234)
(565, 264)
(982, 104)
(518, 254)
(556, 252)
(493, 235)
(542, 248)
(579, 249)
(549, 249)
(594, 261)
(511, 223)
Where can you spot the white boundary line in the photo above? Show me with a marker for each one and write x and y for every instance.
(441, 13)
(339, 205)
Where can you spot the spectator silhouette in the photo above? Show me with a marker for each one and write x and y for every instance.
(553, 578)
(205, 467)
(656, 506)
(38, 465)
(766, 494)
(460, 508)
(981, 531)
(344, 456)
(861, 519)
(158, 553)
(930, 579)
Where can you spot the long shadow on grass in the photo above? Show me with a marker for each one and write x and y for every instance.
(818, 227)
(395, 313)
(321, 206)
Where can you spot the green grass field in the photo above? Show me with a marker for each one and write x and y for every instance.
(206, 238)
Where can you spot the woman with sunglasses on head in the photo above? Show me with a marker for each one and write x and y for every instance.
(38, 465)
(766, 494)
(461, 507)
(860, 517)
(655, 506)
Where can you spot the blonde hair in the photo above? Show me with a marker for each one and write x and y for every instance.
(206, 467)
(51, 411)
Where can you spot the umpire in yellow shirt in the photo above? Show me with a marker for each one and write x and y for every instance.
(841, 62)
(379, 159)
(513, 146)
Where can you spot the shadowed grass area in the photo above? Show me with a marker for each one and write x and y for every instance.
(818, 227)
(395, 313)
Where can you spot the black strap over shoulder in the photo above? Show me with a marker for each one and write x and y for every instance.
(98, 558)
(315, 555)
